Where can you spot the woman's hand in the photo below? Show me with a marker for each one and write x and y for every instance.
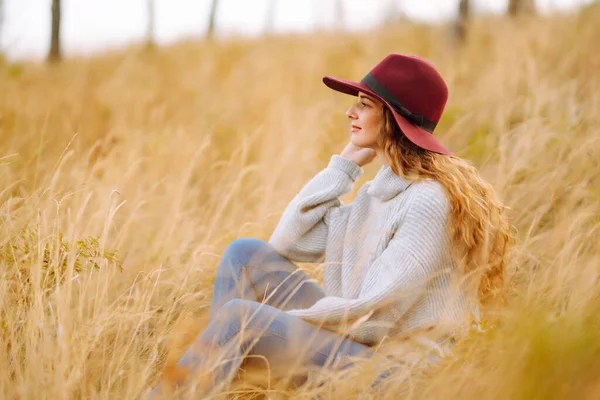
(360, 155)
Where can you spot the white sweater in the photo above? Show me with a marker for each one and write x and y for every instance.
(388, 267)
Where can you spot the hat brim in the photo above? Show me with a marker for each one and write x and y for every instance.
(415, 134)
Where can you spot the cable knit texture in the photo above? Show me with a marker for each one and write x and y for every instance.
(388, 267)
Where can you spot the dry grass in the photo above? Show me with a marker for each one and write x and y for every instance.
(167, 156)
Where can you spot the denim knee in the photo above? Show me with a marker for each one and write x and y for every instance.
(233, 315)
(241, 251)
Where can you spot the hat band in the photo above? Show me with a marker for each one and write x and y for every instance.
(386, 95)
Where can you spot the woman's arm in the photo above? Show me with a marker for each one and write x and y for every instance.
(301, 234)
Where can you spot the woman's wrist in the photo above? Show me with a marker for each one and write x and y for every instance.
(347, 165)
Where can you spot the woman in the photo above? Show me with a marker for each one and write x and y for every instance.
(421, 246)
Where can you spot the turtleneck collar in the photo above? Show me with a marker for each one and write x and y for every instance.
(386, 184)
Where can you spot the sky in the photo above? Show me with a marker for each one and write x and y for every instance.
(93, 25)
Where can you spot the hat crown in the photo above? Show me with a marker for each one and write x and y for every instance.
(415, 82)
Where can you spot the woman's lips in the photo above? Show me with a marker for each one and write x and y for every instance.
(355, 128)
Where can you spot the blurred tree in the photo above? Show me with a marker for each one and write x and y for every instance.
(1, 16)
(211, 19)
(518, 7)
(2, 55)
(271, 12)
(54, 54)
(340, 14)
(150, 8)
(462, 20)
(392, 13)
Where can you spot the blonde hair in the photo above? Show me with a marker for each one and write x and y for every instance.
(479, 234)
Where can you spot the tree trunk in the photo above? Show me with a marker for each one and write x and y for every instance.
(1, 20)
(462, 21)
(271, 12)
(340, 14)
(150, 42)
(392, 13)
(519, 7)
(54, 54)
(211, 19)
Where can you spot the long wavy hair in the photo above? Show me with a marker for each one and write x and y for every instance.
(479, 233)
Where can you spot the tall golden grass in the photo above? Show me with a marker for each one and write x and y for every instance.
(166, 156)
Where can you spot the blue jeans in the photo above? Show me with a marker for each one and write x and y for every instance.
(254, 285)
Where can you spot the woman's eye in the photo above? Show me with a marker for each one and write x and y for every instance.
(363, 104)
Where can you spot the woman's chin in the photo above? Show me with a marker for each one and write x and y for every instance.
(357, 142)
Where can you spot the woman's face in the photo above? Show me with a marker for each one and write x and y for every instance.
(366, 119)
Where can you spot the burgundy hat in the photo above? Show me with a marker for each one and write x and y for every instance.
(412, 89)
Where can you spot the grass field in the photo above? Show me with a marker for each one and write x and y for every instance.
(124, 176)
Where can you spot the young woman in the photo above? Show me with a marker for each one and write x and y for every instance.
(421, 246)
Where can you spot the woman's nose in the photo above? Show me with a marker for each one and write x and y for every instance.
(350, 113)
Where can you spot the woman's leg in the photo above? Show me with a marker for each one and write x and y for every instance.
(251, 269)
(247, 330)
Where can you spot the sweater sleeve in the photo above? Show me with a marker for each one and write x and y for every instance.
(400, 274)
(301, 234)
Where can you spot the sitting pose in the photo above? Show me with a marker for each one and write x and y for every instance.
(421, 247)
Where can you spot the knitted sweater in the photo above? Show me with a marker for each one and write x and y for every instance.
(387, 262)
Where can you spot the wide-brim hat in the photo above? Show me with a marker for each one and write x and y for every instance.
(412, 89)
